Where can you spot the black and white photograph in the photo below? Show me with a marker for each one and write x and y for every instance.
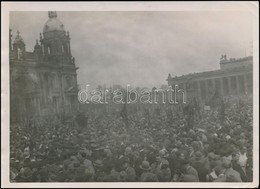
(128, 94)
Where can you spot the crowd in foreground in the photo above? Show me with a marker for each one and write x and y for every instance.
(154, 148)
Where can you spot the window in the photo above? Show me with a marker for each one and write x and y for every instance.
(68, 81)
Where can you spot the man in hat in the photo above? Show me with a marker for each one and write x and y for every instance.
(232, 175)
(25, 175)
(147, 175)
(189, 173)
(109, 159)
(62, 174)
(165, 173)
(99, 170)
(129, 155)
(220, 173)
(89, 168)
(130, 172)
(237, 167)
(214, 161)
(110, 175)
(201, 165)
(242, 160)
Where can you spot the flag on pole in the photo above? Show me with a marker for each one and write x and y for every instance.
(147, 115)
(123, 114)
(222, 111)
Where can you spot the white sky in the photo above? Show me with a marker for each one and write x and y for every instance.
(141, 48)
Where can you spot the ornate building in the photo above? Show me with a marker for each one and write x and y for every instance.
(44, 81)
(235, 77)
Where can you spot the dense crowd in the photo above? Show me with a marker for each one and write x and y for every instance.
(152, 146)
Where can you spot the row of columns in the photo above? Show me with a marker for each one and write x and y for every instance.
(229, 85)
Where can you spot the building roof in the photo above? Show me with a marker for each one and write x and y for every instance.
(215, 72)
(232, 60)
(210, 73)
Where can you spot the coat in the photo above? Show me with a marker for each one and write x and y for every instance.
(148, 177)
(221, 178)
(232, 175)
(130, 174)
(190, 178)
(202, 167)
(164, 175)
(239, 169)
(191, 171)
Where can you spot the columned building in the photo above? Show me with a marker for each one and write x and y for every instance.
(235, 77)
(43, 82)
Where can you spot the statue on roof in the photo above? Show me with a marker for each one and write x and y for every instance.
(223, 57)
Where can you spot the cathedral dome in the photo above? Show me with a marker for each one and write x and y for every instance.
(53, 24)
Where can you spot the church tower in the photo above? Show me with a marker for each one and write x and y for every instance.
(43, 82)
(19, 47)
(55, 41)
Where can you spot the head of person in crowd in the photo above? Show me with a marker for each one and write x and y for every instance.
(145, 166)
(235, 156)
(226, 163)
(198, 156)
(184, 165)
(219, 170)
(182, 156)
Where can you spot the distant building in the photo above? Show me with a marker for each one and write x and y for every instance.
(235, 77)
(43, 82)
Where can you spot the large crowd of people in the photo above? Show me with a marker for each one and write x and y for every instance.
(152, 146)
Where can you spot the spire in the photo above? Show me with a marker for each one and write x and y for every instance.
(52, 14)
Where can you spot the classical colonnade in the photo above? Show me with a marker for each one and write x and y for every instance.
(204, 88)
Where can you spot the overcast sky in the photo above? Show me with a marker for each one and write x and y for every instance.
(142, 48)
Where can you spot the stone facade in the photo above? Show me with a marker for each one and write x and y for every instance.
(235, 77)
(43, 82)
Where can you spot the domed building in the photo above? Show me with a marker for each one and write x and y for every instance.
(43, 82)
(53, 24)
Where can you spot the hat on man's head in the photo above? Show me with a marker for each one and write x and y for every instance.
(98, 163)
(219, 169)
(198, 155)
(145, 166)
(163, 153)
(26, 172)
